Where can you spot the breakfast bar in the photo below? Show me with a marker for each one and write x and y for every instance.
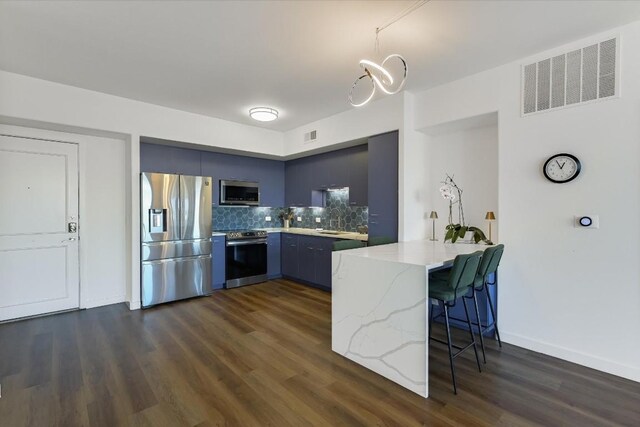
(379, 311)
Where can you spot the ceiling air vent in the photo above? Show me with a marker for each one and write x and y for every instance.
(576, 77)
(310, 136)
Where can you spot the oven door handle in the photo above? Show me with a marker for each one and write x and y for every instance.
(247, 242)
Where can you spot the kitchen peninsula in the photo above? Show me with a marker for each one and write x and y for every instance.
(379, 311)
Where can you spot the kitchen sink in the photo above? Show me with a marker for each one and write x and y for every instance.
(333, 232)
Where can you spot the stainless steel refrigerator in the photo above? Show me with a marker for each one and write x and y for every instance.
(176, 237)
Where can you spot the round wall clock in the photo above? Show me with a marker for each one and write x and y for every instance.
(561, 168)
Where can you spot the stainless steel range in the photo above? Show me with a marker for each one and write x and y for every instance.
(246, 262)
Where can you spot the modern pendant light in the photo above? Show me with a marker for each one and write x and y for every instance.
(377, 74)
(263, 114)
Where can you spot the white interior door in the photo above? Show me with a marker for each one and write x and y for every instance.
(39, 254)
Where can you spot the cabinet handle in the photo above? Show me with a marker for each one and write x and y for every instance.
(372, 222)
(373, 214)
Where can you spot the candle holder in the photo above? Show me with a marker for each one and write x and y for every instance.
(433, 216)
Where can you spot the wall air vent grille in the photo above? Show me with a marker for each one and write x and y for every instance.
(310, 136)
(576, 77)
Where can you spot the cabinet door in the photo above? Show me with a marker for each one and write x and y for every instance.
(273, 255)
(289, 253)
(338, 168)
(298, 183)
(271, 179)
(306, 259)
(218, 262)
(330, 170)
(165, 159)
(323, 262)
(383, 185)
(359, 176)
(294, 181)
(215, 166)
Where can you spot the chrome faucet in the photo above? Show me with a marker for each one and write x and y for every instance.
(335, 219)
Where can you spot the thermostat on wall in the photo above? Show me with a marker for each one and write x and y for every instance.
(587, 221)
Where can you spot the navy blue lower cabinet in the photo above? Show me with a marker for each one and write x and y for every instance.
(457, 316)
(218, 262)
(289, 251)
(323, 262)
(306, 258)
(274, 248)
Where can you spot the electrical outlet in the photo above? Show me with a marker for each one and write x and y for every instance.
(318, 220)
(299, 219)
(267, 218)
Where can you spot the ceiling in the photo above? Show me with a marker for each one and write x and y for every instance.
(301, 57)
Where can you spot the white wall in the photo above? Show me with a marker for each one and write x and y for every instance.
(471, 157)
(413, 196)
(572, 293)
(103, 255)
(380, 116)
(40, 100)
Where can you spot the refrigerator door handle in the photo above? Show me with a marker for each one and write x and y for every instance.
(169, 260)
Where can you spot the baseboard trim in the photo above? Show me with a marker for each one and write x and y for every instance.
(590, 361)
(134, 305)
(104, 301)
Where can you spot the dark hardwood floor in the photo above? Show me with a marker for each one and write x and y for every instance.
(261, 355)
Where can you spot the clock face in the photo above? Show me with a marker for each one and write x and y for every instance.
(561, 168)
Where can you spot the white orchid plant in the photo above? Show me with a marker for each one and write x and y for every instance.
(451, 192)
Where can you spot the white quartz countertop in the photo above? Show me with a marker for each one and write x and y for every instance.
(312, 232)
(308, 232)
(419, 252)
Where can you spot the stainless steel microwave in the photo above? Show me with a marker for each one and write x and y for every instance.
(239, 193)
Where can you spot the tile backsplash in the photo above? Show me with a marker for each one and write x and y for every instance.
(337, 206)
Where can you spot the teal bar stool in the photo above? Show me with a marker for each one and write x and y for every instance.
(487, 273)
(341, 245)
(382, 240)
(447, 287)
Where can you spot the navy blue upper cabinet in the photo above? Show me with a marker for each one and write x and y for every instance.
(297, 187)
(165, 159)
(269, 173)
(329, 170)
(323, 171)
(273, 255)
(359, 176)
(383, 185)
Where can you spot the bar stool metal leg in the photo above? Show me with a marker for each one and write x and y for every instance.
(430, 318)
(473, 338)
(480, 331)
(453, 371)
(493, 315)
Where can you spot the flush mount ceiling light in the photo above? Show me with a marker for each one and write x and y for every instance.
(263, 114)
(377, 75)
